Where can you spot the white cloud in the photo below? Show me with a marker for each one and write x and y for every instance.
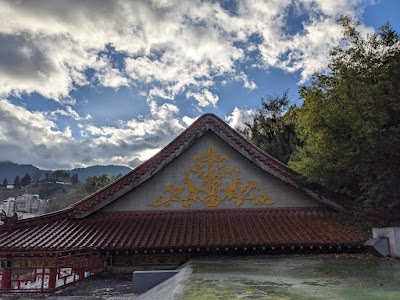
(32, 137)
(47, 46)
(251, 85)
(67, 112)
(238, 117)
(204, 98)
(164, 48)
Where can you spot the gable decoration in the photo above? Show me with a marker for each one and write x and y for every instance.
(218, 183)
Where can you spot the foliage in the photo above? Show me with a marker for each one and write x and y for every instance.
(94, 183)
(26, 180)
(74, 179)
(5, 182)
(350, 120)
(273, 127)
(61, 196)
(16, 181)
(61, 174)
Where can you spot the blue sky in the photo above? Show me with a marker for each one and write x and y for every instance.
(112, 82)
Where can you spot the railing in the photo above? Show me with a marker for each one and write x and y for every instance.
(46, 272)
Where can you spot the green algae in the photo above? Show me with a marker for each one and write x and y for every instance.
(294, 278)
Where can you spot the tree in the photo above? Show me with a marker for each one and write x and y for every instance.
(26, 180)
(94, 183)
(74, 179)
(61, 174)
(273, 127)
(5, 182)
(16, 181)
(350, 120)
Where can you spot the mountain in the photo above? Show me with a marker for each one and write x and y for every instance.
(113, 170)
(10, 170)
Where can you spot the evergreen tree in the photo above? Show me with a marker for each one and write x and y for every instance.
(5, 182)
(61, 175)
(74, 179)
(16, 182)
(273, 127)
(26, 180)
(350, 120)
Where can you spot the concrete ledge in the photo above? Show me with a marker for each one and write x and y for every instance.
(146, 280)
(391, 233)
(380, 245)
(170, 289)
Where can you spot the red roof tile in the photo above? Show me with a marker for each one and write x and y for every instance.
(140, 231)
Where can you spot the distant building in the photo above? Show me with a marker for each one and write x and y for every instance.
(10, 186)
(64, 182)
(27, 203)
(9, 206)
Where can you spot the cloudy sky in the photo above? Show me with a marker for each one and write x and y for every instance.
(112, 82)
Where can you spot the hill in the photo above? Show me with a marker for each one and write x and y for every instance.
(10, 170)
(113, 170)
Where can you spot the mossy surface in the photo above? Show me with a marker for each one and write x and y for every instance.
(294, 278)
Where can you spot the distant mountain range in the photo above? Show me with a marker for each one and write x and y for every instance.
(10, 170)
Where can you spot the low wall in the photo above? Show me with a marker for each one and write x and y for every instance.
(393, 235)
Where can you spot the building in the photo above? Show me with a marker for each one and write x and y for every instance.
(9, 206)
(27, 203)
(209, 192)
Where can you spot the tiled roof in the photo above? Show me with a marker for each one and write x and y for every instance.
(163, 230)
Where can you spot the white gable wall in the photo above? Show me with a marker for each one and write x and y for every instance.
(174, 175)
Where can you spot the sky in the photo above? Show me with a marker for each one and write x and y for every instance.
(101, 82)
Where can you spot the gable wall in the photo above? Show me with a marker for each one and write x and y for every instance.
(249, 178)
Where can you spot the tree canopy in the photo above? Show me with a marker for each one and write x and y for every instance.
(350, 120)
(94, 183)
(273, 127)
(74, 179)
(16, 181)
(25, 180)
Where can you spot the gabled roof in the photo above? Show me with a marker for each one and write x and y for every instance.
(82, 226)
(205, 123)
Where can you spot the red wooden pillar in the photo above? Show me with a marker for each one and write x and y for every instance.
(52, 278)
(6, 278)
(80, 273)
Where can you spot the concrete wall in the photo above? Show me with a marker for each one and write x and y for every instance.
(391, 233)
(174, 174)
(143, 281)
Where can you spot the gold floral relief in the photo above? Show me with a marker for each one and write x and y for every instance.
(216, 183)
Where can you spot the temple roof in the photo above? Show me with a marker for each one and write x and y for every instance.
(191, 229)
(84, 226)
(203, 124)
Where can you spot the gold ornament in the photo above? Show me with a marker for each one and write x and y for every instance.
(211, 170)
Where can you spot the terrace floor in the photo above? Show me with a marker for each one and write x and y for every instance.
(357, 276)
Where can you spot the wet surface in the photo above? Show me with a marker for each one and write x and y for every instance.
(101, 286)
(265, 277)
(330, 277)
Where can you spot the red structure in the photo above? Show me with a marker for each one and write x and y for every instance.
(125, 225)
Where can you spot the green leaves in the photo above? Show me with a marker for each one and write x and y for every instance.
(350, 120)
(273, 127)
(94, 183)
